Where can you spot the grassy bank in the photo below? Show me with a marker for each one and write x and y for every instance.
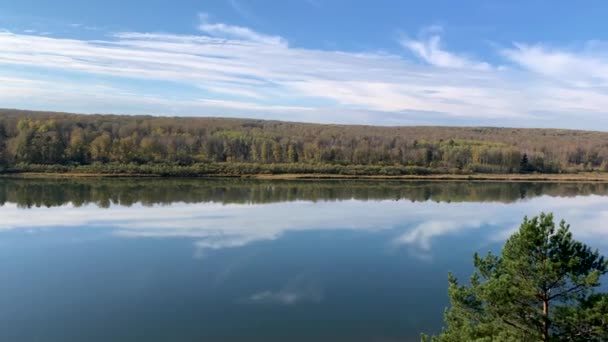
(228, 169)
(286, 171)
(582, 177)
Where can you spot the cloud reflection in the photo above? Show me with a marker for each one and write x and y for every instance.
(299, 289)
(417, 225)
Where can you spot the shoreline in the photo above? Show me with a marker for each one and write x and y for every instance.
(580, 177)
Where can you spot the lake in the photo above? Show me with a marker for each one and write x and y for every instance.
(243, 260)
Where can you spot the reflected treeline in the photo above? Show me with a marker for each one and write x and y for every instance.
(105, 192)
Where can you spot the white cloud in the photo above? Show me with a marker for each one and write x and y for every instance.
(430, 50)
(39, 93)
(251, 106)
(222, 30)
(586, 68)
(236, 71)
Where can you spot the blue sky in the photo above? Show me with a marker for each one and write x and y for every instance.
(499, 63)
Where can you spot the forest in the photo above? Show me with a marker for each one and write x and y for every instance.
(191, 146)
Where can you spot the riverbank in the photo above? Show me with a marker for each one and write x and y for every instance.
(579, 177)
(287, 171)
(584, 177)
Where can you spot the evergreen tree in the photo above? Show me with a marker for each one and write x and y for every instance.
(524, 165)
(587, 323)
(541, 288)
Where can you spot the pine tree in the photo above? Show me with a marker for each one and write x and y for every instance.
(524, 165)
(541, 288)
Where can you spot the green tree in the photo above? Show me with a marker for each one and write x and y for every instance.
(541, 288)
(22, 148)
(77, 147)
(588, 323)
(101, 147)
(524, 165)
(277, 152)
(266, 153)
(292, 154)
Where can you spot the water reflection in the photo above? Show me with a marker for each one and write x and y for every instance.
(127, 192)
(233, 213)
(235, 260)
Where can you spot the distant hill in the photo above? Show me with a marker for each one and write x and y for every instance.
(245, 146)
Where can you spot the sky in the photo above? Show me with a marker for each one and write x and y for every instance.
(383, 62)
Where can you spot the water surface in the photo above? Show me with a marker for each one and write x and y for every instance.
(236, 260)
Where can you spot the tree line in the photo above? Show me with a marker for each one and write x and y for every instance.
(45, 138)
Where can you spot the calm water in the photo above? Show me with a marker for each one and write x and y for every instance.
(232, 260)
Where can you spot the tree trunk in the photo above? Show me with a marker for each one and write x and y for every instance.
(545, 320)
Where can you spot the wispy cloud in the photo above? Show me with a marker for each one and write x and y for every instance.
(243, 10)
(236, 71)
(430, 50)
(236, 32)
(586, 68)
